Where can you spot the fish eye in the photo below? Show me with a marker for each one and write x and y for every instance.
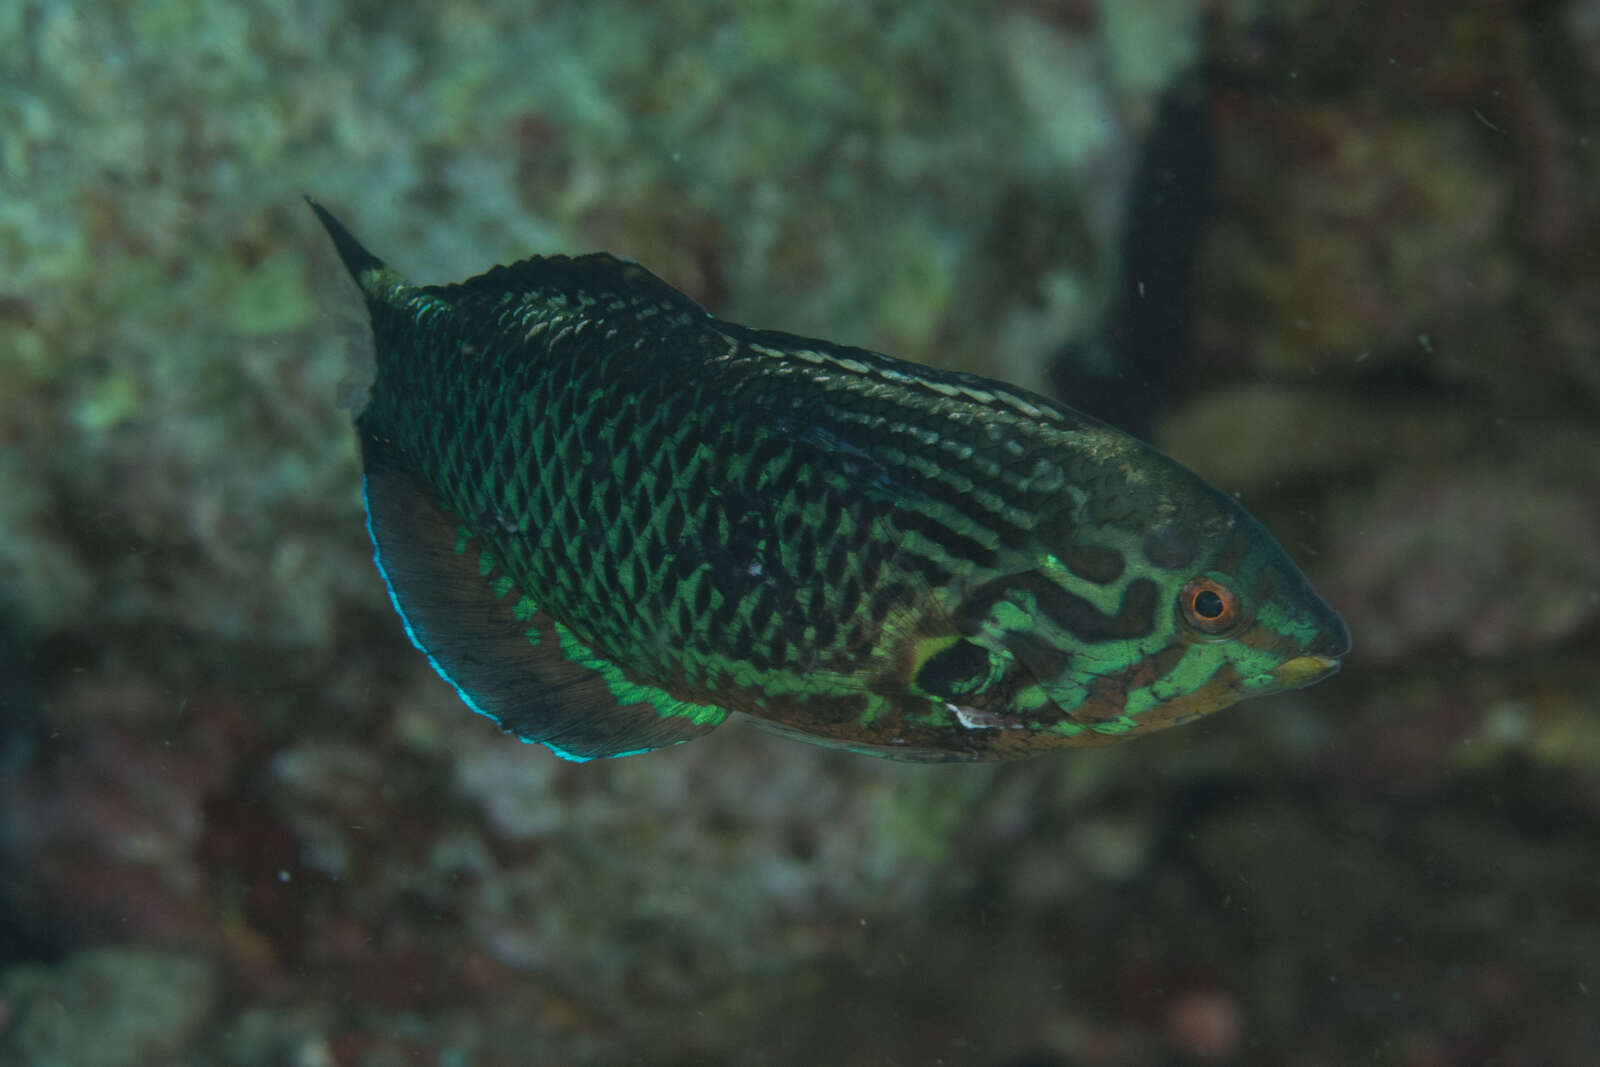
(1209, 606)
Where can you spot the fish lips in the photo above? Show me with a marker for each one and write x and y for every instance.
(1301, 671)
(1318, 660)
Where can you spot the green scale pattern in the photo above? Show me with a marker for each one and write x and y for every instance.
(734, 514)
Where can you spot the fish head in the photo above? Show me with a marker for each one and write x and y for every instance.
(1152, 599)
(1247, 620)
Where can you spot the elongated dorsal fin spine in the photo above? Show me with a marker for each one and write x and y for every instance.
(369, 272)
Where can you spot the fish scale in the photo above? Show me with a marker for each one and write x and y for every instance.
(610, 519)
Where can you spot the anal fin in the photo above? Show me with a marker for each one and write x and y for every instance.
(506, 659)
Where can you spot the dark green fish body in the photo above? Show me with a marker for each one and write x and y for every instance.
(610, 519)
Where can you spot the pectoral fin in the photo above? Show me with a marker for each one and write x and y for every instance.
(506, 658)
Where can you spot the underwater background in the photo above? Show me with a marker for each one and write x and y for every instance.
(1341, 259)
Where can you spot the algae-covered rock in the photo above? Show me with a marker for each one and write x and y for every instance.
(1484, 560)
(1253, 436)
(1380, 241)
(105, 1007)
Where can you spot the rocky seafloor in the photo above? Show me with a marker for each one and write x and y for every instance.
(241, 822)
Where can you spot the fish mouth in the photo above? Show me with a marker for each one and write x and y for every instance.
(1304, 670)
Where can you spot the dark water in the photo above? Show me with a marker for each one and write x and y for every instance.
(1339, 258)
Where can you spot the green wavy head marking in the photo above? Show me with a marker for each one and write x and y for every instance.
(1154, 599)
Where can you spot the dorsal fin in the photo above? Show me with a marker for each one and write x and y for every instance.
(357, 260)
(507, 659)
(599, 275)
(371, 274)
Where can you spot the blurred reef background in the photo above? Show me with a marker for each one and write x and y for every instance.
(1340, 258)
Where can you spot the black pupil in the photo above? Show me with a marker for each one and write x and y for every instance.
(1207, 604)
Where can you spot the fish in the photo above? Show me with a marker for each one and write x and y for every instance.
(610, 520)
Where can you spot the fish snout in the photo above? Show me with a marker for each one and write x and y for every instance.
(1319, 657)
